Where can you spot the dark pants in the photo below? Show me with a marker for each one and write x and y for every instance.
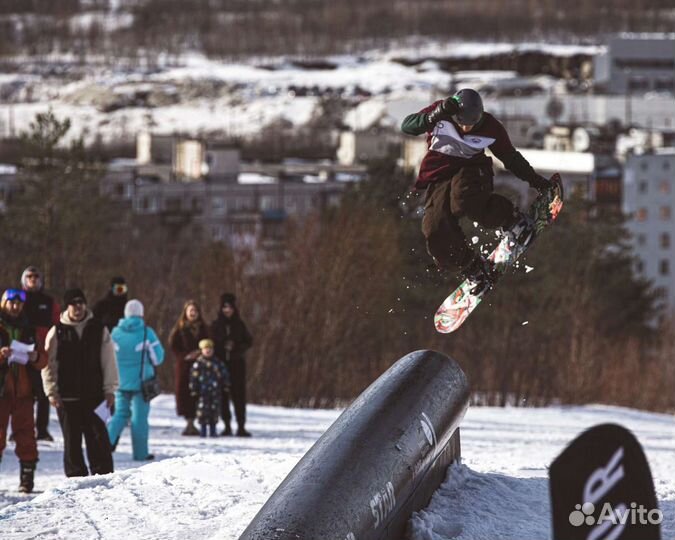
(42, 416)
(237, 393)
(77, 418)
(468, 193)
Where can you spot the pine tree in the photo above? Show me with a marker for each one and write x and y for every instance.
(57, 218)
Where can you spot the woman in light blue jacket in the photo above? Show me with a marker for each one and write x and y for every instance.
(130, 346)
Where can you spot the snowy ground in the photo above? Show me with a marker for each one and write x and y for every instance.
(212, 488)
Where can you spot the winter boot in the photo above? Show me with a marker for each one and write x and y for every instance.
(227, 432)
(519, 230)
(190, 429)
(241, 432)
(26, 476)
(45, 436)
(481, 273)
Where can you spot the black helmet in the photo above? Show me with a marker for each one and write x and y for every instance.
(470, 107)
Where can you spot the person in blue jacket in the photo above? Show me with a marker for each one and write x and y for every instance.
(128, 337)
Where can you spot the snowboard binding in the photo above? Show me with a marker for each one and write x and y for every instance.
(481, 274)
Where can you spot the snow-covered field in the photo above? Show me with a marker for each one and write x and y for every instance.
(212, 488)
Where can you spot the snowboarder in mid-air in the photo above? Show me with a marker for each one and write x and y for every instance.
(458, 178)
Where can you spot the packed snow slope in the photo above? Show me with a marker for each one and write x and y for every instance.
(212, 488)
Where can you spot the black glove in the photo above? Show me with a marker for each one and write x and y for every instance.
(443, 111)
(538, 182)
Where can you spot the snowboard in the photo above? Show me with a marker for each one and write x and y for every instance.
(602, 488)
(461, 302)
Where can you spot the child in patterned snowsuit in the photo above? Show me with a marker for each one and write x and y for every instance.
(208, 377)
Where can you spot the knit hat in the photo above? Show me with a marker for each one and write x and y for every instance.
(228, 298)
(206, 343)
(73, 294)
(133, 308)
(117, 280)
(28, 271)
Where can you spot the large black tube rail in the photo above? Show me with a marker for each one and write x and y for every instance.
(380, 461)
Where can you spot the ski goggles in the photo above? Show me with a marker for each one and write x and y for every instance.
(119, 289)
(15, 294)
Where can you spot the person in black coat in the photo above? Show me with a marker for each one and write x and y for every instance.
(110, 309)
(42, 312)
(232, 339)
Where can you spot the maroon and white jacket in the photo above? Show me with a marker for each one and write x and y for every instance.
(450, 149)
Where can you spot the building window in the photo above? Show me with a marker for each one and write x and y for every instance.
(218, 205)
(639, 267)
(290, 205)
(172, 204)
(664, 84)
(664, 212)
(666, 165)
(665, 240)
(638, 83)
(642, 187)
(664, 187)
(664, 267)
(641, 214)
(267, 202)
(641, 239)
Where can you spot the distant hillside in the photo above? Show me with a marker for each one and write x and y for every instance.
(306, 27)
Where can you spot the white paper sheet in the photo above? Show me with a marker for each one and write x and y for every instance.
(103, 412)
(20, 352)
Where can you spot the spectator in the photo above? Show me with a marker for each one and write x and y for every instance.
(42, 312)
(184, 340)
(232, 339)
(16, 389)
(81, 373)
(110, 309)
(208, 379)
(135, 344)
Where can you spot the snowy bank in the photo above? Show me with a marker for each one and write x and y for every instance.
(212, 488)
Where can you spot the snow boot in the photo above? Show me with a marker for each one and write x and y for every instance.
(227, 432)
(241, 432)
(190, 430)
(26, 476)
(519, 230)
(481, 273)
(45, 436)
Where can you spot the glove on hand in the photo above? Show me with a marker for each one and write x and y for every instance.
(443, 111)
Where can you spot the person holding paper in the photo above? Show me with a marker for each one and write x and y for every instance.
(81, 373)
(18, 359)
(137, 348)
(42, 312)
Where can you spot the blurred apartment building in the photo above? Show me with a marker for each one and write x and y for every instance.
(637, 63)
(200, 187)
(649, 203)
